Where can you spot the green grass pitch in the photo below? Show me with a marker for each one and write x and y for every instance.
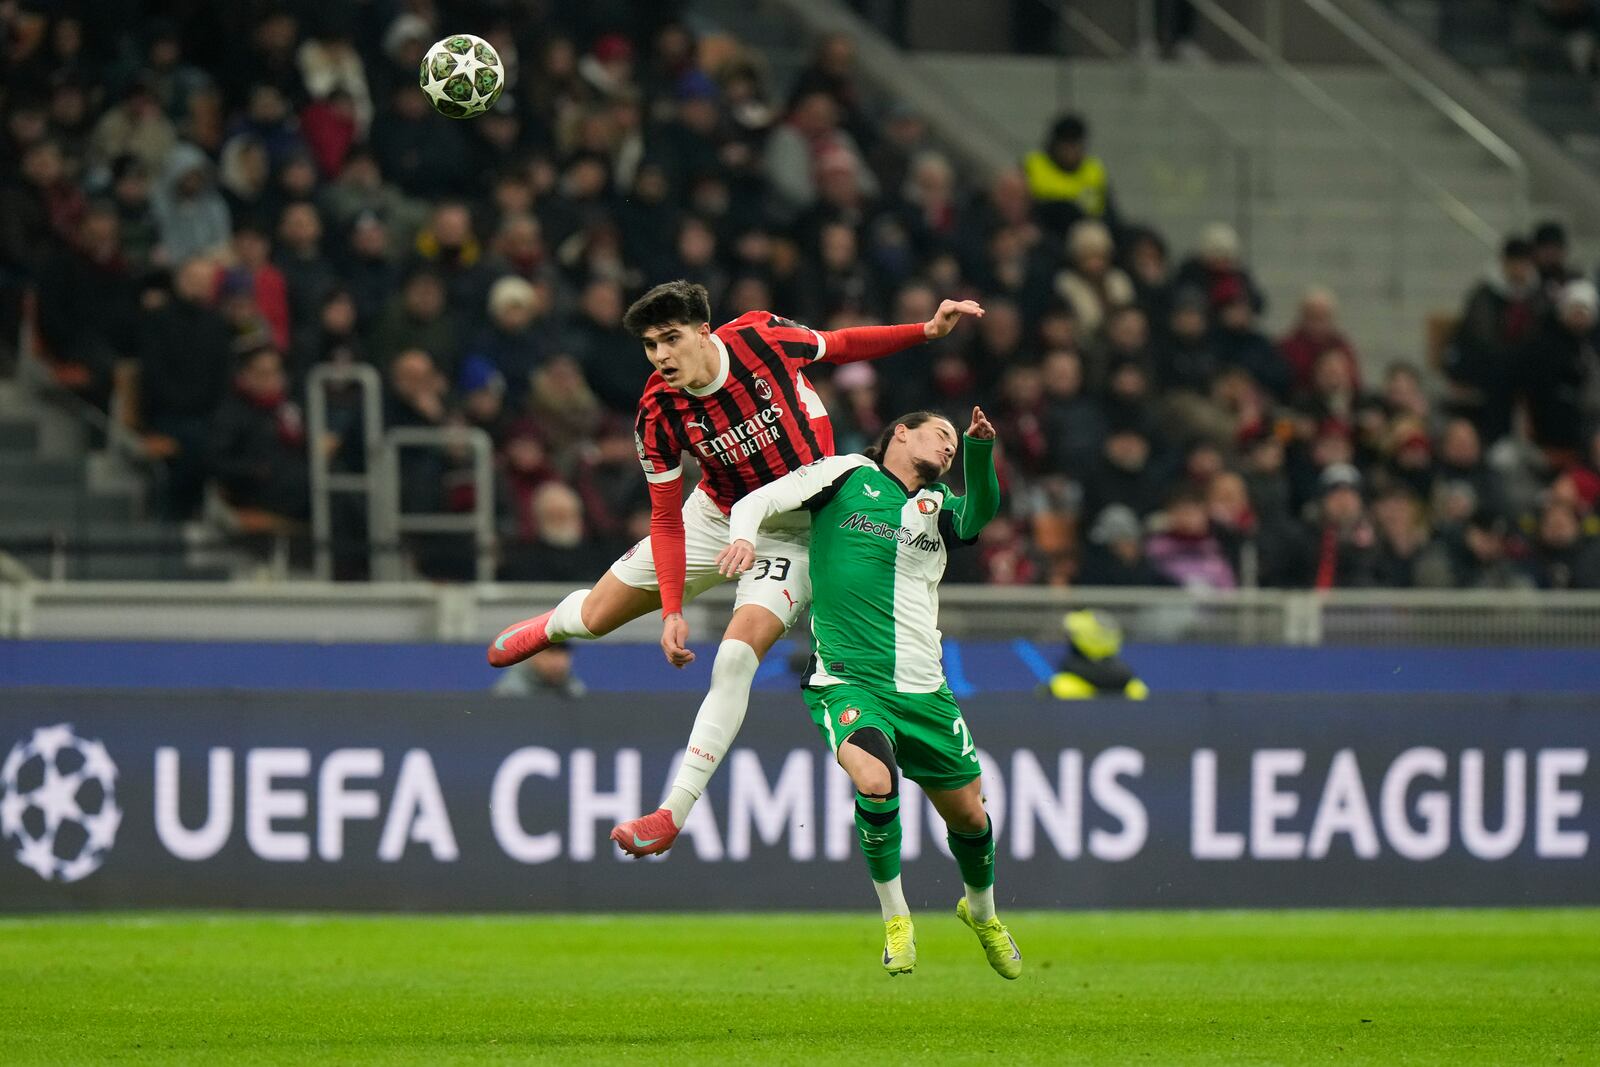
(1456, 987)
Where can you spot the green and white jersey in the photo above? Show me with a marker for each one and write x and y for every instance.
(878, 552)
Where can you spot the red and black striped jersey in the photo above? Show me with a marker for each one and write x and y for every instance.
(758, 420)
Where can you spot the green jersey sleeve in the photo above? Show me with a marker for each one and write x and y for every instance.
(964, 516)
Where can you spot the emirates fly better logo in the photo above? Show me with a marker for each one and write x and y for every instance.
(58, 803)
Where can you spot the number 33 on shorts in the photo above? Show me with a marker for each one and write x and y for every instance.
(777, 583)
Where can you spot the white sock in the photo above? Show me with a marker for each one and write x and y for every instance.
(567, 620)
(892, 899)
(980, 902)
(715, 725)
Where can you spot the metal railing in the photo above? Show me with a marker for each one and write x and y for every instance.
(325, 482)
(393, 522)
(416, 611)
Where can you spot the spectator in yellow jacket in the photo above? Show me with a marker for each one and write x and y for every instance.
(1067, 182)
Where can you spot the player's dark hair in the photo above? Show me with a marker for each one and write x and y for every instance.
(910, 422)
(671, 303)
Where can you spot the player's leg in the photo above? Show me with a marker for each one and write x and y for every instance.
(625, 592)
(938, 753)
(769, 599)
(861, 733)
(583, 614)
(750, 634)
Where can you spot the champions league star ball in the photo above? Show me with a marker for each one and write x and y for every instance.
(462, 76)
(58, 803)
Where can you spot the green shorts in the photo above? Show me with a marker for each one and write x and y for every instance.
(930, 738)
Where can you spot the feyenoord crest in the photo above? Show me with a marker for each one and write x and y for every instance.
(848, 716)
(763, 389)
(927, 507)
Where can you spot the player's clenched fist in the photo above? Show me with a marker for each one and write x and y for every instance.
(675, 641)
(736, 559)
(981, 429)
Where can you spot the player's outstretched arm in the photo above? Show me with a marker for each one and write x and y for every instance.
(972, 512)
(874, 342)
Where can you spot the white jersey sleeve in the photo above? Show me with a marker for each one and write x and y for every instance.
(793, 491)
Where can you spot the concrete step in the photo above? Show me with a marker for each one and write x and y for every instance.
(63, 505)
(19, 470)
(18, 435)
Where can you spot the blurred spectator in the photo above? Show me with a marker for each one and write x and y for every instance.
(420, 151)
(88, 311)
(612, 361)
(1563, 557)
(130, 197)
(360, 191)
(185, 362)
(559, 551)
(1066, 181)
(1239, 343)
(1397, 515)
(513, 342)
(1315, 334)
(244, 176)
(367, 267)
(332, 337)
(40, 210)
(567, 412)
(257, 447)
(306, 270)
(614, 497)
(1344, 544)
(1123, 475)
(192, 215)
(1217, 271)
(251, 254)
(1186, 358)
(1501, 314)
(135, 127)
(1550, 257)
(1474, 556)
(1091, 285)
(329, 64)
(803, 148)
(1074, 422)
(448, 245)
(1557, 363)
(1148, 267)
(1186, 549)
(1115, 553)
(416, 318)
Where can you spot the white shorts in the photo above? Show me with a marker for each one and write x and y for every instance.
(779, 580)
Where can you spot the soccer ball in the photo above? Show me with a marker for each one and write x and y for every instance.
(58, 803)
(462, 76)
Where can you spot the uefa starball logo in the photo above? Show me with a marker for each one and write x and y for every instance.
(58, 803)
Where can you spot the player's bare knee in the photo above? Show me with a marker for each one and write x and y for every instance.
(968, 817)
(877, 775)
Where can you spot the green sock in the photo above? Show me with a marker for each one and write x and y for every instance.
(974, 854)
(878, 829)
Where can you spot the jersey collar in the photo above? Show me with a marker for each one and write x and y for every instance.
(722, 375)
(901, 485)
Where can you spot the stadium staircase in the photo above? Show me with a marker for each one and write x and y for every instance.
(1518, 53)
(73, 509)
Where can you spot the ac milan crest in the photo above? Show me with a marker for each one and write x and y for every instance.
(763, 389)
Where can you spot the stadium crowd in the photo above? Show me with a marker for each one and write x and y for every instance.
(206, 207)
